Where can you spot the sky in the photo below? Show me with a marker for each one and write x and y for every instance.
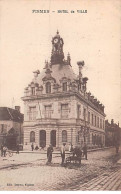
(25, 44)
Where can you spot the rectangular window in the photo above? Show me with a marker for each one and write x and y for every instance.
(78, 111)
(64, 111)
(65, 86)
(92, 119)
(101, 123)
(98, 122)
(33, 91)
(89, 117)
(48, 111)
(32, 113)
(84, 114)
(95, 120)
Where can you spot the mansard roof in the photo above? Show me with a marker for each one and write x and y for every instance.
(57, 72)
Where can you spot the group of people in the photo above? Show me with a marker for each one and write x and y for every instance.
(75, 151)
(36, 147)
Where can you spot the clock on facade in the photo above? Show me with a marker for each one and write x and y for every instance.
(55, 40)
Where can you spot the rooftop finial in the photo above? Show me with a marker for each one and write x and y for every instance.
(57, 32)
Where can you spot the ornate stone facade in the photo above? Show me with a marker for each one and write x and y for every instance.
(58, 107)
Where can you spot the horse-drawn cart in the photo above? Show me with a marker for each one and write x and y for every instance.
(73, 159)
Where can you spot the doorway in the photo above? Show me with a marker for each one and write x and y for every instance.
(42, 138)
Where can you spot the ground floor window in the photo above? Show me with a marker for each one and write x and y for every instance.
(64, 136)
(32, 136)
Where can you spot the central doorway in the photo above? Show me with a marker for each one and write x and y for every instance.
(53, 138)
(42, 138)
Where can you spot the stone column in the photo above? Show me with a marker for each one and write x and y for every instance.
(37, 136)
(48, 137)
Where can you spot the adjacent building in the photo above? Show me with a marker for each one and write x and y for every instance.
(112, 133)
(58, 109)
(11, 126)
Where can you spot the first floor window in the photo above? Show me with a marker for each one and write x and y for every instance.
(64, 136)
(89, 117)
(98, 122)
(32, 113)
(84, 114)
(64, 111)
(101, 123)
(48, 111)
(78, 111)
(95, 120)
(92, 119)
(32, 136)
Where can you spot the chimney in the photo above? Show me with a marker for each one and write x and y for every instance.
(85, 79)
(80, 64)
(17, 108)
(69, 59)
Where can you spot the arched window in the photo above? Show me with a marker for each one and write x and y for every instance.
(32, 136)
(64, 136)
(48, 87)
(65, 86)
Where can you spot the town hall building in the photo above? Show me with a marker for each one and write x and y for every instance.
(57, 107)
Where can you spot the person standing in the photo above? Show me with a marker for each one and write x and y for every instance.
(63, 153)
(49, 153)
(70, 148)
(117, 148)
(4, 151)
(85, 151)
(32, 146)
(17, 148)
(79, 154)
(1, 150)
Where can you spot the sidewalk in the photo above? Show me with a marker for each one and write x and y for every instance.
(57, 151)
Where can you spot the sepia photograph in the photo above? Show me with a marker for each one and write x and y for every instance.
(60, 95)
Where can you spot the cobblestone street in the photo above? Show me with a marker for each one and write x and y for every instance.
(28, 171)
